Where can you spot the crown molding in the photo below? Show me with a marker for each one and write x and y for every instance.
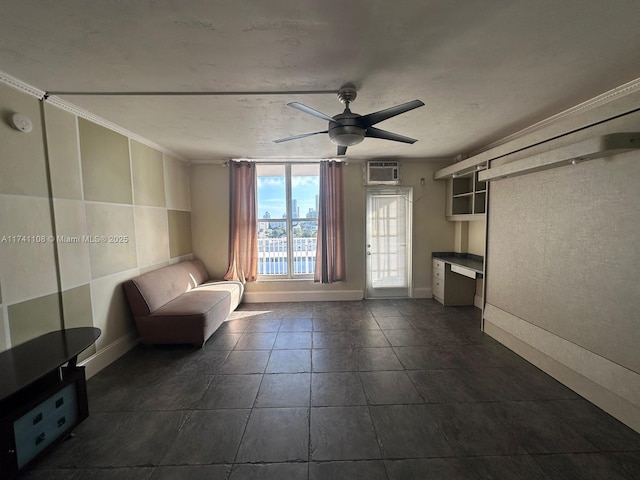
(82, 113)
(7, 79)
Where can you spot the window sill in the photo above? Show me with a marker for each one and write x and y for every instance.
(271, 278)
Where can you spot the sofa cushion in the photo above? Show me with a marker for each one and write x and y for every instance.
(234, 288)
(193, 302)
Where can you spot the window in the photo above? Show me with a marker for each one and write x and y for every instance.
(287, 219)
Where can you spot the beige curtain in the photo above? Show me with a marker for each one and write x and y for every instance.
(243, 228)
(330, 258)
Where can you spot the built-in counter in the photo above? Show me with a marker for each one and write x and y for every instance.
(457, 272)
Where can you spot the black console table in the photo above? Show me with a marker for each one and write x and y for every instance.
(41, 399)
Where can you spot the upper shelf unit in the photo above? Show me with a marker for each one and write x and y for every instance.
(466, 197)
(466, 193)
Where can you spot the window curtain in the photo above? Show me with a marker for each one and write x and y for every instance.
(243, 228)
(330, 257)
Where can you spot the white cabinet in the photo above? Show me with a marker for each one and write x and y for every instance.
(438, 280)
(466, 197)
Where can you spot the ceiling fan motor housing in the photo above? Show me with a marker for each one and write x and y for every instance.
(348, 132)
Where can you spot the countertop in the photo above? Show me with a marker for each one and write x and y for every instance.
(461, 259)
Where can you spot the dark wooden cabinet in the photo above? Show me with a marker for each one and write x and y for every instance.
(41, 401)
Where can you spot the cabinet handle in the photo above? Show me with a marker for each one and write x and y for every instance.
(37, 419)
(59, 402)
(40, 438)
(61, 421)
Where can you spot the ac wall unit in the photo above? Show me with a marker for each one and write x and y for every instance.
(382, 173)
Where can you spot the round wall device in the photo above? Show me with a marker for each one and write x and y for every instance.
(21, 122)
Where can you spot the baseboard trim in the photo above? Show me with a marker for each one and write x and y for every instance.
(303, 296)
(109, 354)
(608, 385)
(422, 292)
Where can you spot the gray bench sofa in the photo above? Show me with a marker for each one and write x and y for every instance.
(178, 303)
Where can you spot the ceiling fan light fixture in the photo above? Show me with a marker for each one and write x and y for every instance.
(346, 135)
(347, 139)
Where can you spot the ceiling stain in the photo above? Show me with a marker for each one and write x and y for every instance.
(197, 23)
(279, 25)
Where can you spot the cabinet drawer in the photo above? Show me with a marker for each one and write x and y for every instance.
(438, 265)
(438, 275)
(39, 427)
(467, 272)
(438, 288)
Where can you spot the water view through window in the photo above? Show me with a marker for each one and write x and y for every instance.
(287, 219)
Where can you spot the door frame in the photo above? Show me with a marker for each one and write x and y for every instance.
(407, 193)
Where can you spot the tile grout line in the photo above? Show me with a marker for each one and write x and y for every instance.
(244, 431)
(373, 425)
(309, 448)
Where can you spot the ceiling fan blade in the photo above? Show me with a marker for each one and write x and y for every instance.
(295, 137)
(374, 132)
(311, 111)
(376, 117)
(342, 150)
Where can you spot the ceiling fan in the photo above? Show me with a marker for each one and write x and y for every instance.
(347, 128)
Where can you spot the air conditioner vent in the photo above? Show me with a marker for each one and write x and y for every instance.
(382, 173)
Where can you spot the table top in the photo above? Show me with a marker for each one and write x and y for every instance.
(464, 262)
(28, 362)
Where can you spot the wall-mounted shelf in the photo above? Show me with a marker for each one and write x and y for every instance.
(598, 147)
(466, 197)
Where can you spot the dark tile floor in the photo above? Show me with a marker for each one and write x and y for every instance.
(396, 390)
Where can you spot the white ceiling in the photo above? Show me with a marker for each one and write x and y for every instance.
(484, 69)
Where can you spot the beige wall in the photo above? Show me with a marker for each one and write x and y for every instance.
(476, 238)
(562, 264)
(86, 180)
(469, 237)
(431, 231)
(210, 216)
